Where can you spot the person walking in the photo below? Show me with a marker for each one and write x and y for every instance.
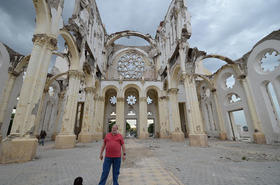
(113, 142)
(42, 137)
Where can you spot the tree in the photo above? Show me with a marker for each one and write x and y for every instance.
(127, 127)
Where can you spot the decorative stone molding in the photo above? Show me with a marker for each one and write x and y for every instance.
(41, 39)
(56, 3)
(95, 98)
(89, 89)
(143, 99)
(13, 73)
(120, 99)
(101, 98)
(163, 98)
(173, 90)
(76, 74)
(61, 95)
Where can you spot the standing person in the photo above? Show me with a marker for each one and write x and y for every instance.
(42, 137)
(113, 142)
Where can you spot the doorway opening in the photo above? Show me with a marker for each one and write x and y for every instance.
(239, 126)
(151, 127)
(131, 128)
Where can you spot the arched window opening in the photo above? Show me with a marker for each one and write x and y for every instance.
(208, 117)
(239, 126)
(274, 102)
(212, 112)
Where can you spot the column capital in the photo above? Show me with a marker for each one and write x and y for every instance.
(95, 97)
(41, 39)
(213, 90)
(76, 73)
(173, 90)
(163, 98)
(101, 98)
(61, 95)
(89, 89)
(143, 99)
(120, 99)
(13, 73)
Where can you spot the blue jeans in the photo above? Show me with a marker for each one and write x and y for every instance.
(108, 161)
(41, 142)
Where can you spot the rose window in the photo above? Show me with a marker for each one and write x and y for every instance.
(113, 100)
(131, 100)
(131, 66)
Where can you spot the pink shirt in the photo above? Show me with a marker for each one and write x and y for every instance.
(113, 145)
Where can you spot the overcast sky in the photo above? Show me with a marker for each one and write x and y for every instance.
(225, 27)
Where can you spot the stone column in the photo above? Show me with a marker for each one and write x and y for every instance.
(143, 118)
(5, 99)
(39, 114)
(197, 135)
(120, 116)
(258, 135)
(163, 117)
(85, 135)
(99, 118)
(177, 134)
(21, 145)
(59, 110)
(66, 138)
(223, 134)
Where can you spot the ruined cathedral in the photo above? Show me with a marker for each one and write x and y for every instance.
(159, 90)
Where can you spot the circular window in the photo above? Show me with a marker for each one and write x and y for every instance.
(131, 66)
(269, 62)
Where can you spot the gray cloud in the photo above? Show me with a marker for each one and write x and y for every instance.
(229, 28)
(17, 24)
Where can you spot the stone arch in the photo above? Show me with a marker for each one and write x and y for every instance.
(22, 64)
(117, 71)
(115, 36)
(43, 17)
(174, 76)
(52, 79)
(207, 80)
(136, 50)
(105, 89)
(135, 86)
(73, 49)
(226, 59)
(152, 87)
(56, 86)
(109, 107)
